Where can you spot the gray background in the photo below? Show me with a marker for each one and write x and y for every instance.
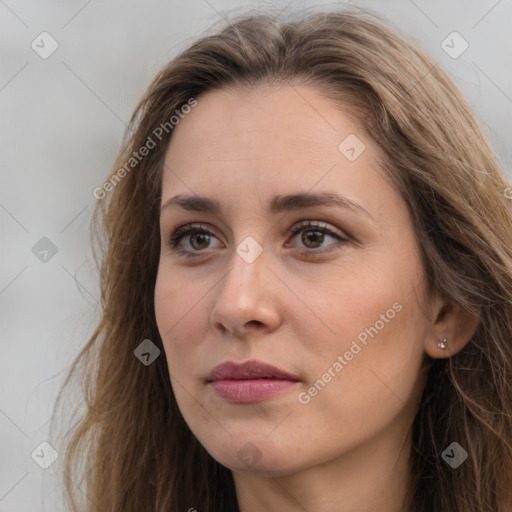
(62, 122)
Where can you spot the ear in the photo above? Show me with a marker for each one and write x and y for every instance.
(452, 322)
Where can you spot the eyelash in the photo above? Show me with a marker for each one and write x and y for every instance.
(190, 229)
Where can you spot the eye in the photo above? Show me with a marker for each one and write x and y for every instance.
(313, 235)
(197, 238)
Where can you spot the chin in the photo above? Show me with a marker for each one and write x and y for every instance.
(259, 457)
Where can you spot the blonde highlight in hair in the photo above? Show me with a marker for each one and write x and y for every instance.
(133, 448)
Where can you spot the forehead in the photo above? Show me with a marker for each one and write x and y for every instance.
(269, 139)
(249, 123)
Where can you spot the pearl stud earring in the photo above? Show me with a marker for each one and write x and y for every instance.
(442, 344)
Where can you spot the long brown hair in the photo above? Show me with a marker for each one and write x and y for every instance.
(131, 449)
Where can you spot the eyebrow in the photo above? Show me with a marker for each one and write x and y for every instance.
(278, 204)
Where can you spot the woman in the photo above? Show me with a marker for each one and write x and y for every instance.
(306, 285)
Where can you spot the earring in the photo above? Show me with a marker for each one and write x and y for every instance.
(442, 344)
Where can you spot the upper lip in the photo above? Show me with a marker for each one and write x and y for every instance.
(248, 370)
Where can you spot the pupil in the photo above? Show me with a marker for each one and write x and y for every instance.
(196, 236)
(316, 238)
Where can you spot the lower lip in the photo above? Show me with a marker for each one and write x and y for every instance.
(250, 390)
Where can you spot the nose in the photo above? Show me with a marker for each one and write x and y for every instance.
(246, 299)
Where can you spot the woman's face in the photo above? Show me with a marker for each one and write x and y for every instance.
(335, 306)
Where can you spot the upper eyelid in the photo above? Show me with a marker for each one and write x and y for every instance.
(304, 225)
(297, 225)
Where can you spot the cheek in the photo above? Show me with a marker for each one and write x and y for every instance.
(366, 297)
(377, 328)
(178, 308)
(376, 384)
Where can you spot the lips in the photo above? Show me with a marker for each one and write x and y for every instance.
(252, 381)
(249, 370)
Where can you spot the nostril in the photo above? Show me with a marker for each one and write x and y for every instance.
(222, 328)
(254, 323)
